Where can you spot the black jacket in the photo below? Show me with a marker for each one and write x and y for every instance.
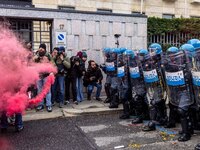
(75, 71)
(95, 74)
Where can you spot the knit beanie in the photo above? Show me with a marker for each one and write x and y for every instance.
(43, 46)
(84, 54)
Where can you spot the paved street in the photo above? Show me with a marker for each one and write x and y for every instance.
(103, 132)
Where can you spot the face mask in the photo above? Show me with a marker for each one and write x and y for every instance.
(42, 53)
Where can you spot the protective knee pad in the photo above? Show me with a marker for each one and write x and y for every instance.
(107, 85)
(153, 112)
(182, 113)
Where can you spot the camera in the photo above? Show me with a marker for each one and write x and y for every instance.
(117, 35)
(60, 52)
(75, 59)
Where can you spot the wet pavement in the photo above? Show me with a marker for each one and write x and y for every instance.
(103, 132)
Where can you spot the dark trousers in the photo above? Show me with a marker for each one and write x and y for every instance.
(70, 81)
(18, 120)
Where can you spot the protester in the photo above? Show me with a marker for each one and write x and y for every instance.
(93, 77)
(18, 122)
(43, 57)
(63, 65)
(74, 72)
(79, 83)
(54, 87)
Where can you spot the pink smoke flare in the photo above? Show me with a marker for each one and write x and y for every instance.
(17, 73)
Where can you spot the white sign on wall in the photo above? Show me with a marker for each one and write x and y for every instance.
(61, 38)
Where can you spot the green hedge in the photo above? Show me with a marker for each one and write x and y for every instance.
(161, 26)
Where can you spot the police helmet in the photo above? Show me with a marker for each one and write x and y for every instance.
(193, 41)
(106, 50)
(172, 49)
(130, 53)
(196, 45)
(155, 47)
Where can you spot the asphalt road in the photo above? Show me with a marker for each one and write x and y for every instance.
(104, 132)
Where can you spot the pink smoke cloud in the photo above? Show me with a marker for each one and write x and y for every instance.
(17, 73)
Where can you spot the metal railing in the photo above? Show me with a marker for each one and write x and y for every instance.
(172, 39)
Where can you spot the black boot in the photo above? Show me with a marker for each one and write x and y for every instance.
(114, 99)
(107, 100)
(185, 136)
(149, 127)
(137, 120)
(197, 147)
(125, 114)
(89, 97)
(107, 90)
(170, 125)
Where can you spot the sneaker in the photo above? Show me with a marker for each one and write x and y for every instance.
(19, 129)
(40, 108)
(89, 98)
(49, 108)
(66, 102)
(98, 99)
(53, 103)
(75, 102)
(107, 100)
(60, 105)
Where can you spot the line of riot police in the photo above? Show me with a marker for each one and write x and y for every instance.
(144, 80)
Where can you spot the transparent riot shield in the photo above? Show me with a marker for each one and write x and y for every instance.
(152, 80)
(196, 76)
(136, 76)
(121, 63)
(110, 62)
(178, 79)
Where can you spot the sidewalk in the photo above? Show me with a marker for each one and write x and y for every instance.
(86, 107)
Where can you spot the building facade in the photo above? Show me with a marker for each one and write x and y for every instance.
(158, 8)
(88, 31)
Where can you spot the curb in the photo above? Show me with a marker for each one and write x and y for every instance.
(70, 112)
(91, 111)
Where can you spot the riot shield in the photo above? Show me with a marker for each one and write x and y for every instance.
(178, 79)
(136, 76)
(153, 79)
(110, 62)
(121, 63)
(196, 76)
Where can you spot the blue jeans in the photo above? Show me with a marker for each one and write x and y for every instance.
(91, 87)
(40, 84)
(79, 89)
(59, 83)
(18, 120)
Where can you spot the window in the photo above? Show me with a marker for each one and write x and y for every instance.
(104, 10)
(16, 3)
(168, 16)
(66, 7)
(137, 12)
(195, 17)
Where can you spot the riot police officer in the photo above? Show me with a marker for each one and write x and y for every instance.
(138, 91)
(111, 66)
(124, 88)
(153, 78)
(178, 87)
(108, 71)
